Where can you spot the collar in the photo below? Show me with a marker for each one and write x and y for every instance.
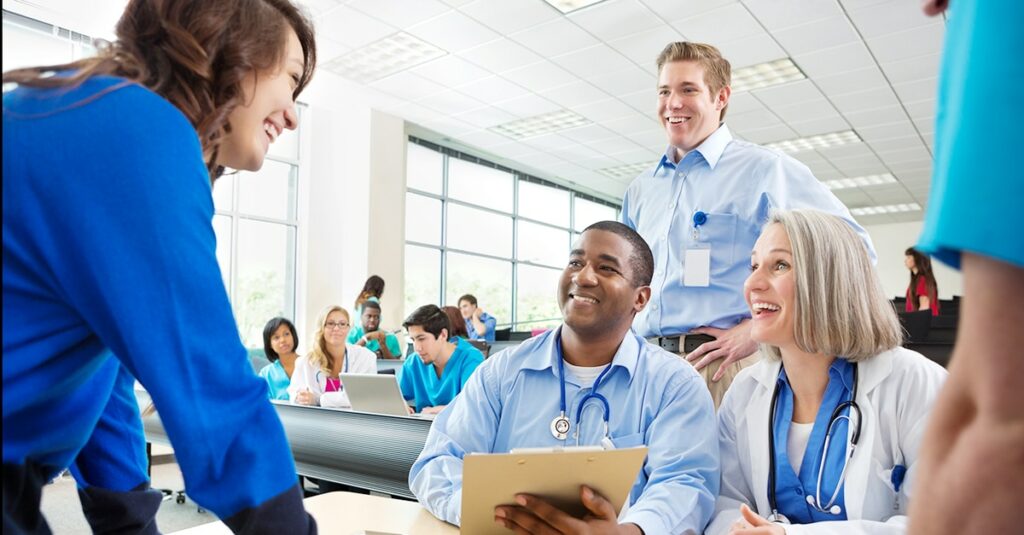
(872, 371)
(840, 369)
(711, 149)
(542, 354)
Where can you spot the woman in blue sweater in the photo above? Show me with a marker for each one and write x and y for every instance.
(110, 269)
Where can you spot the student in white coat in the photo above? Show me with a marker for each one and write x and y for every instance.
(315, 379)
(827, 428)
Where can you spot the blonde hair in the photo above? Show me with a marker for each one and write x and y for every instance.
(319, 356)
(841, 308)
(717, 71)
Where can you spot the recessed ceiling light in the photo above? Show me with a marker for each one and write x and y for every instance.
(539, 125)
(822, 141)
(766, 74)
(624, 172)
(568, 6)
(860, 181)
(392, 54)
(886, 209)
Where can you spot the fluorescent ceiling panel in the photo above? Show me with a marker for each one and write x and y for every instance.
(568, 6)
(860, 181)
(539, 125)
(624, 172)
(394, 53)
(766, 74)
(886, 209)
(821, 141)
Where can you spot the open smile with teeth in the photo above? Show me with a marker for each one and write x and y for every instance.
(271, 130)
(764, 308)
(583, 299)
(676, 120)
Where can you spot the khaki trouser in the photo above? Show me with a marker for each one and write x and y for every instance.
(719, 387)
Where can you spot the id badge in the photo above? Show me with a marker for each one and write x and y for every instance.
(697, 266)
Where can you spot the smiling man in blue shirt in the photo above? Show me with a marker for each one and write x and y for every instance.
(655, 400)
(701, 208)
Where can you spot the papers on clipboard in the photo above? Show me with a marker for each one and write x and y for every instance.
(490, 480)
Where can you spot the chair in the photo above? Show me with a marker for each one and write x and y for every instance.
(916, 324)
(503, 335)
(483, 346)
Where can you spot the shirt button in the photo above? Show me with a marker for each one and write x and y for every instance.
(800, 491)
(654, 306)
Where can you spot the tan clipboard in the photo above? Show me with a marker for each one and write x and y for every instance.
(489, 480)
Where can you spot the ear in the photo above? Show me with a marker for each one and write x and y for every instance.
(722, 98)
(443, 335)
(642, 297)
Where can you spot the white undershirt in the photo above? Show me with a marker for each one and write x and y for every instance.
(586, 375)
(796, 444)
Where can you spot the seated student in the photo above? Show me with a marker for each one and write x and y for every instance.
(513, 401)
(442, 364)
(369, 335)
(279, 343)
(479, 324)
(315, 380)
(373, 290)
(456, 322)
(834, 380)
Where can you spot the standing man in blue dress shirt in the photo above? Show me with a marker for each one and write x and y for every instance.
(701, 209)
(655, 400)
(479, 324)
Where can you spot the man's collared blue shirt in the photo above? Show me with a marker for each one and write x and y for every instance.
(791, 489)
(736, 184)
(489, 322)
(420, 382)
(656, 400)
(277, 380)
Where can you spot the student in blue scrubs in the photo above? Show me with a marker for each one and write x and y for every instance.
(110, 266)
(972, 480)
(369, 334)
(442, 364)
(655, 399)
(279, 343)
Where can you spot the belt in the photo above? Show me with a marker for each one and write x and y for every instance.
(688, 342)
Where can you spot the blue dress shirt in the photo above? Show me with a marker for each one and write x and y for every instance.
(420, 382)
(489, 322)
(277, 380)
(736, 184)
(656, 400)
(791, 489)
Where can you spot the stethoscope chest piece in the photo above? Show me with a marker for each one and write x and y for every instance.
(560, 427)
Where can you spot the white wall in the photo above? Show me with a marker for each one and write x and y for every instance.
(890, 242)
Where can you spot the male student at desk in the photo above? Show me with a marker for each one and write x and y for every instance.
(441, 366)
(514, 400)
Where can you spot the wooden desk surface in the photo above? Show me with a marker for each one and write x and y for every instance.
(347, 513)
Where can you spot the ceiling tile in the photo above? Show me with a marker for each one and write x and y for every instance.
(871, 117)
(408, 85)
(817, 35)
(640, 155)
(451, 103)
(788, 94)
(493, 89)
(853, 197)
(630, 80)
(889, 17)
(500, 55)
(400, 13)
(922, 109)
(768, 134)
(316, 7)
(549, 142)
(851, 81)
(328, 49)
(775, 15)
(554, 38)
(453, 32)
(725, 23)
(752, 120)
(578, 92)
(483, 139)
(848, 151)
(613, 145)
(643, 47)
(896, 143)
(597, 58)
(352, 28)
(449, 127)
(913, 154)
(916, 68)
(540, 76)
(589, 134)
(887, 131)
(510, 16)
(823, 125)
(672, 10)
(900, 168)
(612, 19)
(641, 101)
(920, 41)
(653, 138)
(527, 106)
(612, 108)
(916, 91)
(865, 100)
(486, 117)
(632, 124)
(451, 71)
(835, 60)
(750, 50)
(806, 110)
(744, 102)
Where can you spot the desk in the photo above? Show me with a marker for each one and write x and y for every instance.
(346, 513)
(369, 451)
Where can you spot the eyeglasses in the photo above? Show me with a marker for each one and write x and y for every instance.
(335, 325)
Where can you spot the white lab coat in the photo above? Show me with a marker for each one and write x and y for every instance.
(361, 360)
(896, 393)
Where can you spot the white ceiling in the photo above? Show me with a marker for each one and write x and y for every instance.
(871, 66)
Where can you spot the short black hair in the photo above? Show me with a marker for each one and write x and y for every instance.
(641, 261)
(467, 297)
(430, 318)
(370, 304)
(268, 333)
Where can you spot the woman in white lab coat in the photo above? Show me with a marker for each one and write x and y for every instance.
(315, 380)
(787, 426)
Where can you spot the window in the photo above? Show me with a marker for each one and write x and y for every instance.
(478, 228)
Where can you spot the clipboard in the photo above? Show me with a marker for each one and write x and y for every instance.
(493, 479)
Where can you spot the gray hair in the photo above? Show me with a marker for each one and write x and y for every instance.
(841, 308)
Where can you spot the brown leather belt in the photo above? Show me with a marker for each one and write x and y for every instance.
(688, 342)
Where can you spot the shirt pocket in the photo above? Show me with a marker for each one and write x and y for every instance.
(628, 441)
(719, 232)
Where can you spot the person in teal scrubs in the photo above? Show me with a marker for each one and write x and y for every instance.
(441, 366)
(279, 343)
(370, 336)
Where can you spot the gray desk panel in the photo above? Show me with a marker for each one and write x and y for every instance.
(370, 451)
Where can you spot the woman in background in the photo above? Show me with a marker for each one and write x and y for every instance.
(279, 343)
(456, 322)
(373, 289)
(315, 380)
(923, 292)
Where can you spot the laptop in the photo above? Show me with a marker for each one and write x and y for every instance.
(377, 393)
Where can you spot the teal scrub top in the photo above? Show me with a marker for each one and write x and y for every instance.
(420, 382)
(390, 340)
(277, 380)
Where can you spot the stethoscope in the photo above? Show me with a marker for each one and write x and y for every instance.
(560, 425)
(815, 501)
(327, 380)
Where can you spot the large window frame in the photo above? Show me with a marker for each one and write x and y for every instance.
(514, 257)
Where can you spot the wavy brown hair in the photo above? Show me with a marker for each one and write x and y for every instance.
(197, 54)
